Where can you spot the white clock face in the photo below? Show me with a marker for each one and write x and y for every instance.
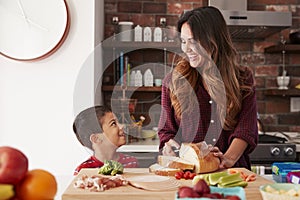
(31, 29)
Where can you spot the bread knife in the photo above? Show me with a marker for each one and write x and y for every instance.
(175, 150)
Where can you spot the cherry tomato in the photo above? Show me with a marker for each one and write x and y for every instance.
(186, 175)
(192, 175)
(179, 175)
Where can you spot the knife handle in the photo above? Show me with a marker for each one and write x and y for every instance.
(175, 150)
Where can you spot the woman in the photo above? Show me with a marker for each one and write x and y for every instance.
(209, 96)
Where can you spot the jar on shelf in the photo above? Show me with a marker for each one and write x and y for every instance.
(138, 81)
(148, 78)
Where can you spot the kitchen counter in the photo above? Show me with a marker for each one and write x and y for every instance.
(129, 193)
(141, 146)
(149, 145)
(154, 148)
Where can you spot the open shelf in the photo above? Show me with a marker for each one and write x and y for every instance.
(293, 92)
(170, 46)
(109, 88)
(289, 48)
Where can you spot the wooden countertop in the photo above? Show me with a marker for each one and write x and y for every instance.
(130, 193)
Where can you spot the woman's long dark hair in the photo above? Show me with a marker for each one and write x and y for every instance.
(209, 29)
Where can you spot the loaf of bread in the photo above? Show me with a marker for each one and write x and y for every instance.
(192, 157)
(203, 159)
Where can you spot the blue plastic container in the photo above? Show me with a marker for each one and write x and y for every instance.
(281, 169)
(238, 191)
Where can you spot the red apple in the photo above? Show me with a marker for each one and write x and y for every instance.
(13, 165)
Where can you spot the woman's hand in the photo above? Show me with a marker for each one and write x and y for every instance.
(167, 149)
(233, 153)
(225, 161)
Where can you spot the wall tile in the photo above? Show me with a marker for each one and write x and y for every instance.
(129, 6)
(278, 105)
(294, 81)
(295, 9)
(279, 8)
(294, 59)
(261, 107)
(260, 46)
(266, 70)
(110, 7)
(260, 82)
(154, 8)
(243, 46)
(178, 8)
(271, 82)
(289, 119)
(144, 20)
(271, 59)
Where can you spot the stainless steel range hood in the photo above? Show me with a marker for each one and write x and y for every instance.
(246, 24)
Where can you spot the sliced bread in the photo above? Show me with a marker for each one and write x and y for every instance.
(175, 162)
(163, 171)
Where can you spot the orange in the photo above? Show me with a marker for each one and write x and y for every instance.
(38, 184)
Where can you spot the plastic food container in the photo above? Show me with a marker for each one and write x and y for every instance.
(280, 191)
(238, 191)
(281, 169)
(293, 177)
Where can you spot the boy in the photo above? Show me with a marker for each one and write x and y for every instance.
(98, 129)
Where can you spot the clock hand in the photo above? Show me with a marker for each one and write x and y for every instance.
(28, 21)
(37, 25)
(23, 12)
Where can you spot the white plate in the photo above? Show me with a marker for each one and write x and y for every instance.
(152, 182)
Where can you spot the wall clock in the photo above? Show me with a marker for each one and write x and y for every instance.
(32, 29)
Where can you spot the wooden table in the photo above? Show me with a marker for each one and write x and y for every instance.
(130, 193)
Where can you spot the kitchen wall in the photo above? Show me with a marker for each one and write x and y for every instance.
(274, 110)
(40, 99)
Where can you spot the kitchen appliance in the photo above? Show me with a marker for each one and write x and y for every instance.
(271, 149)
(250, 24)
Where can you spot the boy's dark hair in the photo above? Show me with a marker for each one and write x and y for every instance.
(89, 121)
